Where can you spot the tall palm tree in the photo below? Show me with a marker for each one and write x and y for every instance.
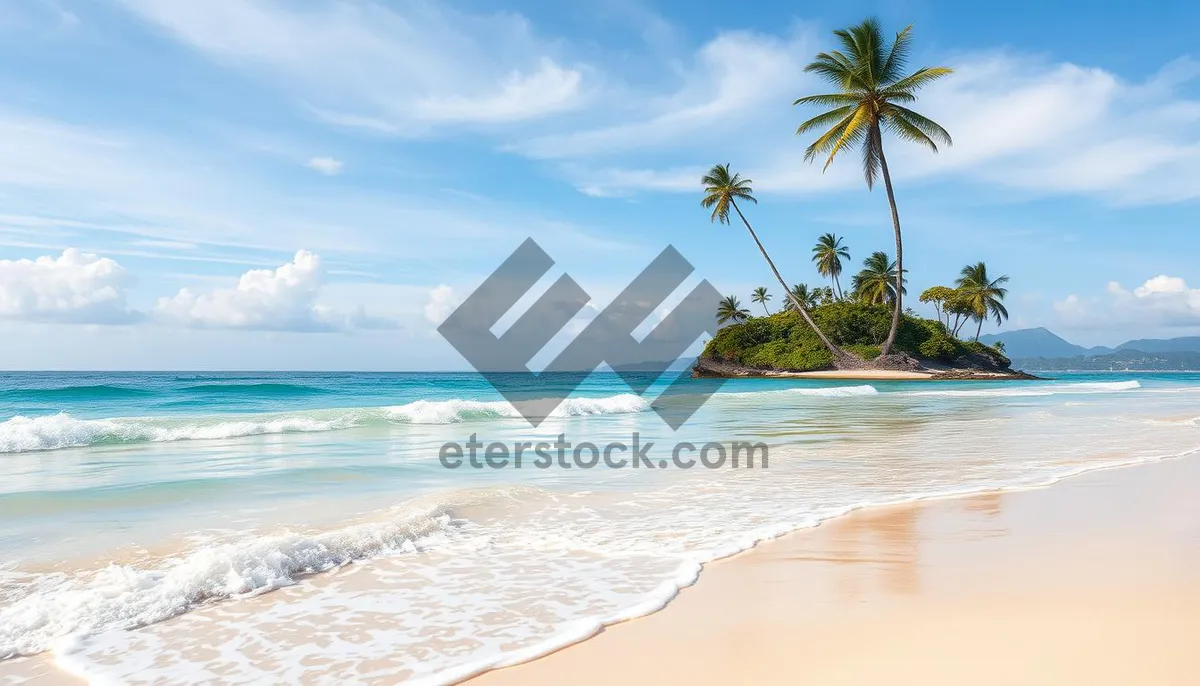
(828, 253)
(801, 293)
(722, 190)
(876, 283)
(760, 295)
(984, 295)
(730, 310)
(872, 92)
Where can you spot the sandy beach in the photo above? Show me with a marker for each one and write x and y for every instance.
(856, 375)
(355, 579)
(1089, 581)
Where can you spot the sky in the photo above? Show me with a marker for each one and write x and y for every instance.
(316, 184)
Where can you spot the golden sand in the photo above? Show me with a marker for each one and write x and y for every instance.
(1090, 581)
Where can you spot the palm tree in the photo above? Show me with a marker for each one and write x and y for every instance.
(730, 310)
(872, 92)
(828, 253)
(982, 294)
(876, 283)
(760, 295)
(722, 190)
(802, 294)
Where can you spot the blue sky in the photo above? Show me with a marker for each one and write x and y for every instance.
(312, 184)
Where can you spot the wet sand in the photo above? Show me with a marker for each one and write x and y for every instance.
(1090, 581)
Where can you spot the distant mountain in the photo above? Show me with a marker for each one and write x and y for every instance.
(1122, 360)
(1039, 342)
(1163, 345)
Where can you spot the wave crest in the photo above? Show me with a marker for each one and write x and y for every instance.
(123, 596)
(53, 432)
(455, 411)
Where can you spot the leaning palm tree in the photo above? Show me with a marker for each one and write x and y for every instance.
(982, 294)
(760, 295)
(828, 253)
(876, 283)
(872, 92)
(722, 190)
(730, 310)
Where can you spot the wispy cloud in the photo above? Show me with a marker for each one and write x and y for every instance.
(325, 165)
(402, 67)
(1018, 122)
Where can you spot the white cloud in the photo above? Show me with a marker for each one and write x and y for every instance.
(325, 165)
(442, 301)
(1163, 301)
(281, 299)
(75, 287)
(402, 67)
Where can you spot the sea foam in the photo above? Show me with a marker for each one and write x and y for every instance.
(59, 605)
(1035, 391)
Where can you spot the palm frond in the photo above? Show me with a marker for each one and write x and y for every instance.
(924, 124)
(897, 57)
(905, 130)
(854, 133)
(854, 53)
(872, 158)
(833, 68)
(827, 139)
(999, 312)
(829, 100)
(825, 118)
(870, 38)
(916, 80)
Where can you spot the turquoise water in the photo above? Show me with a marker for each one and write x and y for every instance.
(140, 508)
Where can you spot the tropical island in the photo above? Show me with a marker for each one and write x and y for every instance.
(867, 331)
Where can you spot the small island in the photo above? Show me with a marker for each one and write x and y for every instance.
(863, 333)
(784, 345)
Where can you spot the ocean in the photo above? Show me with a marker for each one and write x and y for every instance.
(304, 527)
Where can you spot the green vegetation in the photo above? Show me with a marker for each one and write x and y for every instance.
(783, 341)
(872, 90)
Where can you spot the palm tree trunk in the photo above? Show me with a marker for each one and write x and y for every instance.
(887, 182)
(837, 287)
(768, 312)
(837, 352)
(978, 329)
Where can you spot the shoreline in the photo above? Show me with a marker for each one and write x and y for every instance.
(1048, 528)
(932, 495)
(918, 371)
(923, 374)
